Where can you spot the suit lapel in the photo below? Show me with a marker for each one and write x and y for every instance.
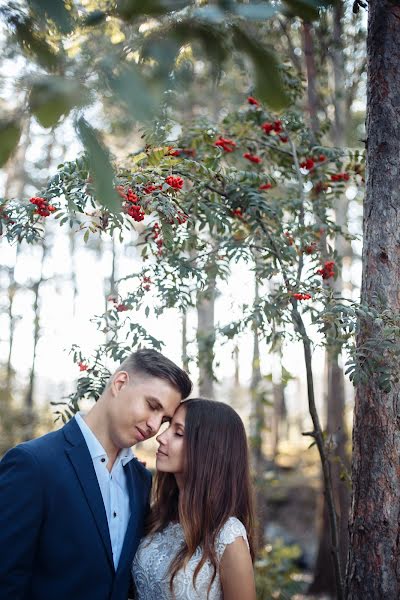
(83, 465)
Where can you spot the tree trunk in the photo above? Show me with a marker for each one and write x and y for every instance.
(236, 377)
(206, 338)
(279, 417)
(374, 557)
(257, 424)
(15, 185)
(312, 97)
(185, 355)
(29, 394)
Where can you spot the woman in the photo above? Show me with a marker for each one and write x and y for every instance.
(199, 543)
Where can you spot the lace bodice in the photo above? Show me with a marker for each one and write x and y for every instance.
(150, 569)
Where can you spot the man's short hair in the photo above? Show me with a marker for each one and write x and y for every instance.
(151, 363)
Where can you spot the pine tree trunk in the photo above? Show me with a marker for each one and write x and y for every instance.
(15, 186)
(206, 338)
(257, 424)
(185, 355)
(30, 391)
(374, 557)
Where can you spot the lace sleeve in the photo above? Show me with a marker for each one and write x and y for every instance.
(232, 529)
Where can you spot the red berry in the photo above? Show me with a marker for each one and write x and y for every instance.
(267, 127)
(122, 307)
(175, 182)
(252, 157)
(226, 144)
(253, 101)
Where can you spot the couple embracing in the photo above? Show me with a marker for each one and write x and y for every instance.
(75, 515)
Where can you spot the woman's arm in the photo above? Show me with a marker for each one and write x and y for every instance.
(236, 571)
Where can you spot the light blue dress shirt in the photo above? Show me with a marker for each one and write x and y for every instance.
(113, 487)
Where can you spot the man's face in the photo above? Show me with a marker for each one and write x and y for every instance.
(138, 406)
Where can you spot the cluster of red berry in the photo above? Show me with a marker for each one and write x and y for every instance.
(6, 217)
(82, 366)
(150, 188)
(181, 217)
(311, 248)
(179, 151)
(251, 100)
(157, 238)
(265, 186)
(146, 283)
(237, 212)
(175, 182)
(340, 177)
(289, 238)
(309, 163)
(299, 296)
(328, 270)
(225, 143)
(252, 157)
(131, 206)
(173, 151)
(122, 307)
(275, 126)
(43, 208)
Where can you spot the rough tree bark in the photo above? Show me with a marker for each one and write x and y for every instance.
(15, 186)
(374, 556)
(206, 338)
(257, 424)
(185, 355)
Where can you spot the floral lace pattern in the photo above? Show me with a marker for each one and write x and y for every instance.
(150, 568)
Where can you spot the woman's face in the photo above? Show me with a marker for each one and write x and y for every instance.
(169, 456)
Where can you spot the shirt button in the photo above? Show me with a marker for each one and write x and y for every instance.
(115, 514)
(103, 460)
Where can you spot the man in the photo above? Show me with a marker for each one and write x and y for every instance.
(73, 502)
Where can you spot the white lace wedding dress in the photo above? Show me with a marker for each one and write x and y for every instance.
(150, 568)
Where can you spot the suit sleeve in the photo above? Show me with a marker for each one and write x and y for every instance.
(21, 514)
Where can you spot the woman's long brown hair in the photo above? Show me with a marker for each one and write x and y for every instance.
(216, 484)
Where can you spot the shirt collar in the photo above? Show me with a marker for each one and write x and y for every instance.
(96, 450)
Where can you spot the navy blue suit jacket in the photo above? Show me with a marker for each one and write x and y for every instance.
(54, 537)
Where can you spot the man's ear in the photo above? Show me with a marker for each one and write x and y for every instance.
(119, 380)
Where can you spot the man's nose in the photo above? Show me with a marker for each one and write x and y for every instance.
(154, 423)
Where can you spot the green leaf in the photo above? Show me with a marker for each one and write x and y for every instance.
(257, 12)
(133, 91)
(305, 9)
(132, 9)
(138, 157)
(56, 10)
(52, 97)
(99, 166)
(269, 85)
(212, 39)
(34, 43)
(10, 132)
(214, 14)
(94, 18)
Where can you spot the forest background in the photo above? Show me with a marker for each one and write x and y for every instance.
(190, 176)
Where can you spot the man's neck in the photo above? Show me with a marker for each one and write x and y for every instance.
(99, 430)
